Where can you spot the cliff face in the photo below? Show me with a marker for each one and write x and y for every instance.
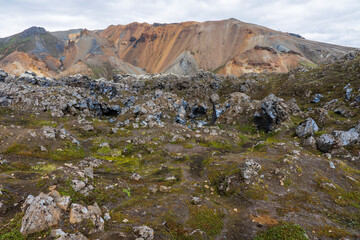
(226, 47)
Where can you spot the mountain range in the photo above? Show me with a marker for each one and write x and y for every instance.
(223, 47)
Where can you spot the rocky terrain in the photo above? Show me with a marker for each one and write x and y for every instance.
(224, 47)
(163, 156)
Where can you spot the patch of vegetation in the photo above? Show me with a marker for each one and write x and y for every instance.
(44, 167)
(206, 219)
(219, 144)
(42, 123)
(104, 151)
(21, 166)
(248, 129)
(70, 151)
(332, 232)
(188, 145)
(14, 149)
(339, 195)
(125, 163)
(256, 192)
(175, 229)
(67, 190)
(11, 231)
(286, 231)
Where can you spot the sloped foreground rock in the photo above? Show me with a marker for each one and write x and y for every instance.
(41, 213)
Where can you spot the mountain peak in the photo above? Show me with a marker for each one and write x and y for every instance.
(33, 31)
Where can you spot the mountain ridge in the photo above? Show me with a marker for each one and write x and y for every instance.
(225, 47)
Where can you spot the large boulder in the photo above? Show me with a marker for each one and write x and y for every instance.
(239, 106)
(272, 114)
(41, 213)
(326, 142)
(346, 138)
(307, 128)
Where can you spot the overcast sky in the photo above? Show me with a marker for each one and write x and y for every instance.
(332, 21)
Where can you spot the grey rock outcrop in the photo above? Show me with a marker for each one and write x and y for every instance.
(307, 128)
(272, 114)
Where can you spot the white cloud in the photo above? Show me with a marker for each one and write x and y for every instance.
(321, 20)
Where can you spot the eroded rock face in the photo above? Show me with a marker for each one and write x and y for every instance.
(272, 113)
(143, 233)
(41, 214)
(307, 128)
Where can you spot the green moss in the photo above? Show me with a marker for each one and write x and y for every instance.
(248, 129)
(206, 219)
(339, 195)
(67, 190)
(256, 192)
(70, 151)
(11, 231)
(42, 123)
(188, 145)
(219, 144)
(104, 151)
(125, 163)
(175, 229)
(21, 166)
(284, 232)
(332, 232)
(44, 167)
(14, 149)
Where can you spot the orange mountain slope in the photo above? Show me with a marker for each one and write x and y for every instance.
(226, 47)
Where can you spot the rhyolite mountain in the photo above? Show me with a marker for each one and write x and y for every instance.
(224, 47)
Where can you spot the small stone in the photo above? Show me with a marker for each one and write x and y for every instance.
(125, 220)
(43, 149)
(135, 176)
(78, 185)
(143, 232)
(195, 200)
(55, 194)
(63, 202)
(153, 189)
(332, 165)
(104, 144)
(164, 189)
(172, 178)
(107, 217)
(89, 172)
